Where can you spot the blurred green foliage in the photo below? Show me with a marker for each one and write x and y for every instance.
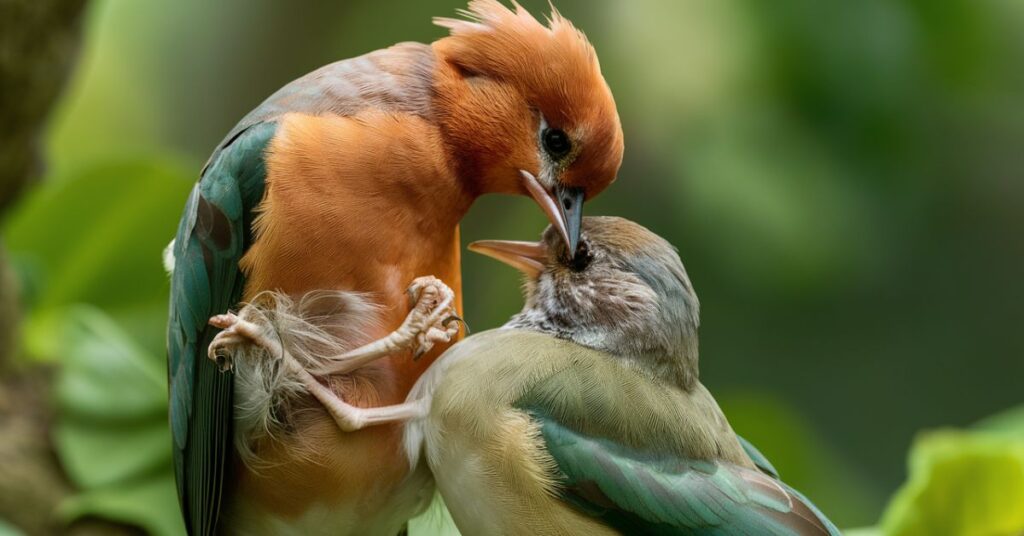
(843, 180)
(969, 484)
(112, 435)
(98, 303)
(7, 530)
(963, 482)
(95, 235)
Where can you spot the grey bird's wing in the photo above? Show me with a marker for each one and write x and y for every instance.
(640, 493)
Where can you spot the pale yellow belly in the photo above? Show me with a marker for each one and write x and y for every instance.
(502, 485)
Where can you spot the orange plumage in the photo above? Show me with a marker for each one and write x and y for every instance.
(336, 215)
(373, 162)
(521, 67)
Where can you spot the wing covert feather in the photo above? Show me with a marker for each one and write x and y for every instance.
(643, 493)
(213, 234)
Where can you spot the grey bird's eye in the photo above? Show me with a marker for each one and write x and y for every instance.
(581, 260)
(556, 142)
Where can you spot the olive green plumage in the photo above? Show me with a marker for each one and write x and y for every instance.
(564, 422)
(638, 455)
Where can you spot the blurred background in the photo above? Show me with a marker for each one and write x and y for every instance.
(844, 181)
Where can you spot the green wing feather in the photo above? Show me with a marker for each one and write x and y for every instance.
(214, 233)
(641, 493)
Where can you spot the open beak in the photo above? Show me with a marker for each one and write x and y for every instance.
(563, 206)
(527, 257)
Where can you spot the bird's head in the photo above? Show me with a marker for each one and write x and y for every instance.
(524, 109)
(624, 291)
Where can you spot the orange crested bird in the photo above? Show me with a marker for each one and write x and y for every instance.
(330, 201)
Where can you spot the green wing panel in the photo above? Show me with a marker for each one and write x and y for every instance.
(640, 493)
(214, 233)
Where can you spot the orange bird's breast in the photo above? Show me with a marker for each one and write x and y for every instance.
(365, 204)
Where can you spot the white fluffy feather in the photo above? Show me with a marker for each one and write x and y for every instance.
(318, 327)
(168, 257)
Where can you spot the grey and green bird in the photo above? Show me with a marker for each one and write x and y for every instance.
(585, 414)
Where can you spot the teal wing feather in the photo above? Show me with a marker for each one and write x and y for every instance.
(641, 493)
(214, 233)
(760, 461)
(766, 467)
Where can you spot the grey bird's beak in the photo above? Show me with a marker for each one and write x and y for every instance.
(527, 257)
(563, 206)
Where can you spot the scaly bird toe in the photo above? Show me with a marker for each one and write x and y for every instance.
(433, 318)
(222, 346)
(235, 331)
(223, 321)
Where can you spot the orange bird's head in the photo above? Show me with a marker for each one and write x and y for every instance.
(524, 109)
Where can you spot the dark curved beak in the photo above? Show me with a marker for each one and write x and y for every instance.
(527, 257)
(563, 206)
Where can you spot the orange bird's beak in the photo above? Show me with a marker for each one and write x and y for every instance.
(527, 257)
(563, 206)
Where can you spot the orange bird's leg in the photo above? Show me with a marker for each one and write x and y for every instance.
(432, 320)
(350, 418)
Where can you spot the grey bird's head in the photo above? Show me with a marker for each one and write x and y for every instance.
(624, 291)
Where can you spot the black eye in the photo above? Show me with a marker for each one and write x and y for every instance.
(556, 142)
(581, 260)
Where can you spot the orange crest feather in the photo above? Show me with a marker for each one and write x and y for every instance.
(512, 45)
(552, 69)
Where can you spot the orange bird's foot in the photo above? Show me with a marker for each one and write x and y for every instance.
(433, 318)
(235, 331)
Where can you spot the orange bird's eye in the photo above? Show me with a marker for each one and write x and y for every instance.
(556, 143)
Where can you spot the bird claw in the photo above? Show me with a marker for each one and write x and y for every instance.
(433, 314)
(224, 361)
(221, 348)
(455, 318)
(225, 343)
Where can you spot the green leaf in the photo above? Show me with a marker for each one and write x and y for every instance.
(150, 503)
(863, 531)
(6, 529)
(435, 521)
(1009, 423)
(106, 377)
(100, 454)
(111, 434)
(97, 236)
(960, 483)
